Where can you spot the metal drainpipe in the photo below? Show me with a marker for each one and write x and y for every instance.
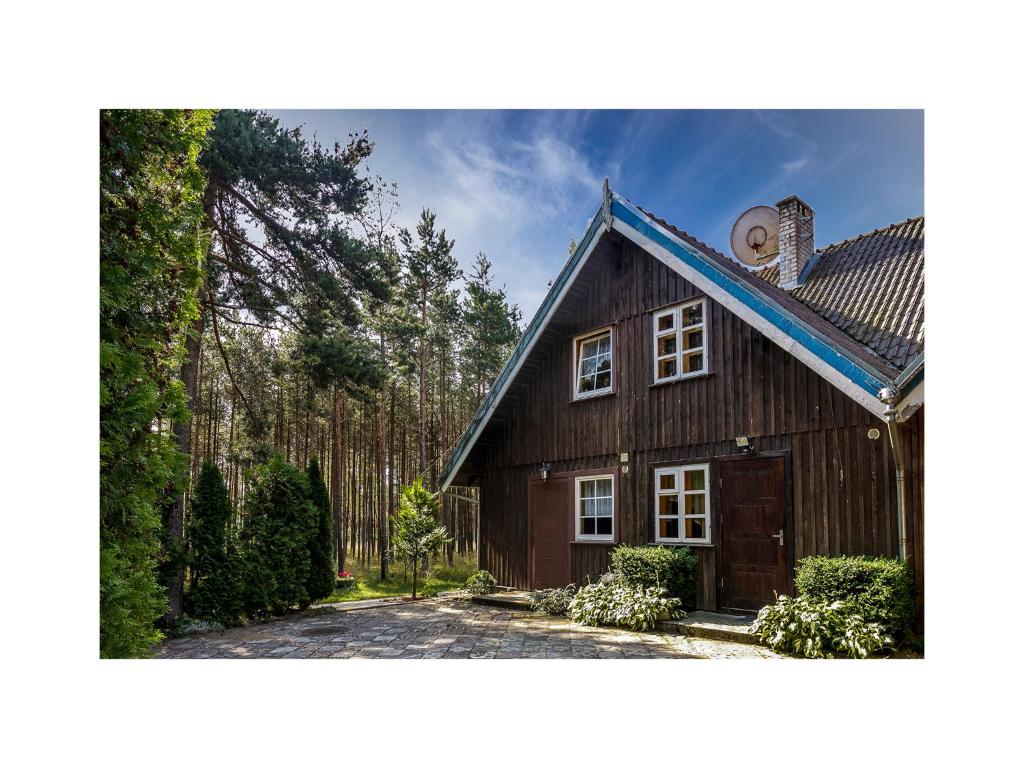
(890, 397)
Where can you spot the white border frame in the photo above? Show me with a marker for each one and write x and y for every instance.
(681, 493)
(677, 313)
(576, 507)
(577, 344)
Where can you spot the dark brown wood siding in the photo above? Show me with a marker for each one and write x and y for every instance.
(842, 483)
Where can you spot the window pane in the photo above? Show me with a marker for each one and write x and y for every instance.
(604, 380)
(693, 315)
(666, 345)
(588, 348)
(694, 479)
(694, 362)
(587, 507)
(667, 482)
(695, 528)
(693, 339)
(604, 526)
(695, 503)
(587, 384)
(604, 363)
(603, 487)
(588, 366)
(667, 368)
(587, 526)
(668, 529)
(667, 322)
(668, 505)
(604, 345)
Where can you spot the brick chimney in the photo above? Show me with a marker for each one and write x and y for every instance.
(796, 240)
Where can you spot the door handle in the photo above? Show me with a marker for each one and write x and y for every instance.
(780, 536)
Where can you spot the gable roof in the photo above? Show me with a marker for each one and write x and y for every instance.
(870, 287)
(854, 368)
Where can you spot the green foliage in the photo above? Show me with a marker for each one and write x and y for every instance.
(417, 533)
(879, 589)
(320, 583)
(481, 583)
(217, 580)
(279, 522)
(492, 326)
(818, 629)
(615, 602)
(673, 568)
(553, 602)
(151, 246)
(343, 583)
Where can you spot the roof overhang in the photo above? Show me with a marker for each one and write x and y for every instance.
(855, 378)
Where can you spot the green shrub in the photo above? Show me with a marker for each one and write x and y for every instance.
(878, 589)
(673, 568)
(345, 580)
(818, 630)
(279, 522)
(481, 583)
(615, 602)
(320, 583)
(417, 534)
(553, 602)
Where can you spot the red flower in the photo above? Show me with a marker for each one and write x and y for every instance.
(344, 575)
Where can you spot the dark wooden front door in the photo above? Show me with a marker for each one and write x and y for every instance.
(755, 544)
(550, 518)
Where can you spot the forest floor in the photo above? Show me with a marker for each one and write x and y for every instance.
(444, 628)
(440, 578)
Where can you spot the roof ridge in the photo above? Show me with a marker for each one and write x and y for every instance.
(872, 233)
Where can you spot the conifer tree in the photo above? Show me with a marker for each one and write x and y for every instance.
(215, 577)
(418, 534)
(320, 583)
(492, 326)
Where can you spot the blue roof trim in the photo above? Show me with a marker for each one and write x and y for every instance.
(791, 326)
(532, 330)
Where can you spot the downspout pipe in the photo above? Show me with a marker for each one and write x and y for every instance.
(890, 396)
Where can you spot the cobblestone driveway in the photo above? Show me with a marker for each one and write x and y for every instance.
(444, 629)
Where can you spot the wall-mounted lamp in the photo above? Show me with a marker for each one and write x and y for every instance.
(743, 443)
(544, 469)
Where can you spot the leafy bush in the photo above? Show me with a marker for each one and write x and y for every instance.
(481, 583)
(196, 627)
(615, 602)
(818, 630)
(673, 568)
(553, 602)
(878, 589)
(279, 522)
(345, 580)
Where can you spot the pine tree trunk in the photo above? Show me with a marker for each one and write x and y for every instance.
(336, 477)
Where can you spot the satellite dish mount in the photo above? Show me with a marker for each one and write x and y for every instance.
(755, 236)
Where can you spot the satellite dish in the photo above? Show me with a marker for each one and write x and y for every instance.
(755, 236)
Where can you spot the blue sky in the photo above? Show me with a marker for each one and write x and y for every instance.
(518, 185)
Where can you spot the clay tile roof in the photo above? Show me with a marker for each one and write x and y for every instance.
(871, 287)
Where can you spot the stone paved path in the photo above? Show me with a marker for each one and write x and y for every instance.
(444, 629)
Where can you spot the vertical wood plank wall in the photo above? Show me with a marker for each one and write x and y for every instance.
(843, 483)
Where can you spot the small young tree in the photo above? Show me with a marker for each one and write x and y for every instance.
(320, 583)
(417, 532)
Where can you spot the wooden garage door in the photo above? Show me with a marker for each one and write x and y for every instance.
(754, 541)
(550, 521)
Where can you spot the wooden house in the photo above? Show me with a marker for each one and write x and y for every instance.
(666, 394)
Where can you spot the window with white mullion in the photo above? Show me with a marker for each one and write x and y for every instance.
(679, 341)
(595, 508)
(682, 509)
(593, 365)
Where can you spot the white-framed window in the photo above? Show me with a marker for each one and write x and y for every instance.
(595, 508)
(680, 341)
(592, 373)
(682, 508)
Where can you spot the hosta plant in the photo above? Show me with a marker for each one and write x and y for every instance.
(481, 583)
(818, 630)
(553, 602)
(614, 602)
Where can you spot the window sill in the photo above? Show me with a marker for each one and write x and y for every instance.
(599, 542)
(698, 545)
(695, 377)
(588, 398)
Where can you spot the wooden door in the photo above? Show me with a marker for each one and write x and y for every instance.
(550, 513)
(755, 543)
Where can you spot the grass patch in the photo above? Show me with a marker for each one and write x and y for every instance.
(441, 578)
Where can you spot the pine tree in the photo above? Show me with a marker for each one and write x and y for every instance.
(418, 534)
(320, 583)
(216, 578)
(492, 326)
(151, 247)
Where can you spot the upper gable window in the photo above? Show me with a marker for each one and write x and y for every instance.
(680, 341)
(593, 374)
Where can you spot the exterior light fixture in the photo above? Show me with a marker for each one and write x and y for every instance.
(544, 469)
